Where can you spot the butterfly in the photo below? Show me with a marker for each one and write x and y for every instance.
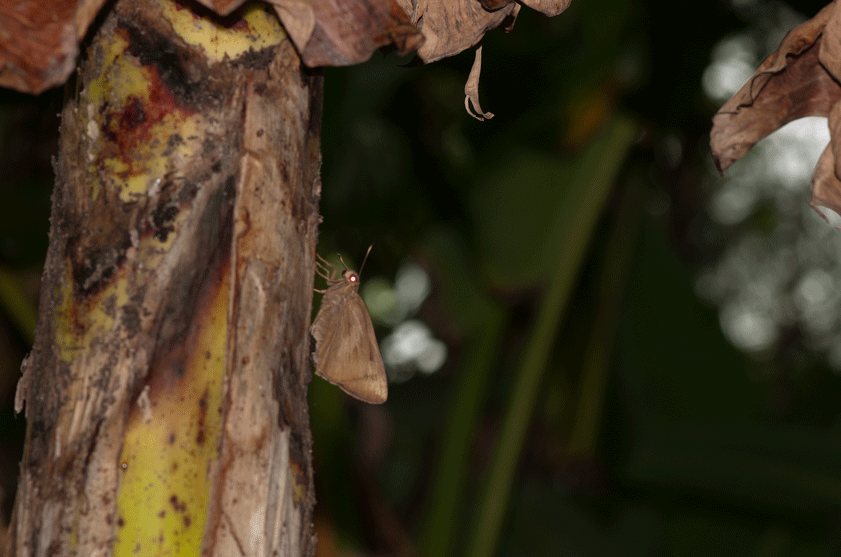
(346, 351)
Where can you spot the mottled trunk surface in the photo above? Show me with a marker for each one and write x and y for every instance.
(166, 392)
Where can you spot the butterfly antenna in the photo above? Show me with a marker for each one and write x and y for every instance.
(342, 260)
(364, 259)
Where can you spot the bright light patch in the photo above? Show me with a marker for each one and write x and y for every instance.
(747, 328)
(411, 287)
(733, 62)
(412, 347)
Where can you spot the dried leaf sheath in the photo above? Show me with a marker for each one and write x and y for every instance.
(801, 78)
(346, 352)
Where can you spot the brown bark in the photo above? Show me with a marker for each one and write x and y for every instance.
(183, 237)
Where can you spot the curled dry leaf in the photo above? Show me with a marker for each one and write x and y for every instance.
(471, 90)
(341, 33)
(549, 8)
(222, 7)
(38, 41)
(800, 79)
(451, 26)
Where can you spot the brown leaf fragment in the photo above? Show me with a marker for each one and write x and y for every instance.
(452, 26)
(471, 90)
(222, 7)
(341, 33)
(38, 41)
(830, 52)
(790, 84)
(492, 5)
(508, 23)
(826, 185)
(298, 19)
(549, 8)
(834, 123)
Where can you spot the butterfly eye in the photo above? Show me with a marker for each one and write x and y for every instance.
(352, 277)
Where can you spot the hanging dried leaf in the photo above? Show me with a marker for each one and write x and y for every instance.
(452, 26)
(471, 90)
(328, 33)
(549, 8)
(222, 7)
(492, 5)
(789, 84)
(38, 41)
(826, 187)
(800, 79)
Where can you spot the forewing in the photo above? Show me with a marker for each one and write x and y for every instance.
(346, 351)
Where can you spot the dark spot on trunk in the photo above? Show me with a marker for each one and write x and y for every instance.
(179, 506)
(202, 426)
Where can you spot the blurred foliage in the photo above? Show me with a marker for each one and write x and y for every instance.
(590, 404)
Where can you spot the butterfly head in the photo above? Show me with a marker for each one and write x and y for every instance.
(350, 276)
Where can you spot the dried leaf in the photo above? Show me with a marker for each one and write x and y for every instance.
(471, 90)
(799, 79)
(789, 84)
(298, 19)
(492, 5)
(826, 186)
(830, 52)
(38, 41)
(452, 26)
(222, 7)
(550, 8)
(332, 33)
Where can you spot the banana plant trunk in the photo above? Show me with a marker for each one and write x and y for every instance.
(165, 394)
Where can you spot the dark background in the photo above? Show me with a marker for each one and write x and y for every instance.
(564, 240)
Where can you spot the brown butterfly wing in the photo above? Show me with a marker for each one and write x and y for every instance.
(346, 351)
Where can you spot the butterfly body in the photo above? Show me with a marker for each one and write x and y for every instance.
(346, 351)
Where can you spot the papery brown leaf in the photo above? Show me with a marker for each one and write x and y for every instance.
(549, 8)
(38, 41)
(492, 5)
(800, 79)
(826, 187)
(825, 184)
(452, 26)
(222, 7)
(789, 84)
(341, 33)
(471, 90)
(830, 51)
